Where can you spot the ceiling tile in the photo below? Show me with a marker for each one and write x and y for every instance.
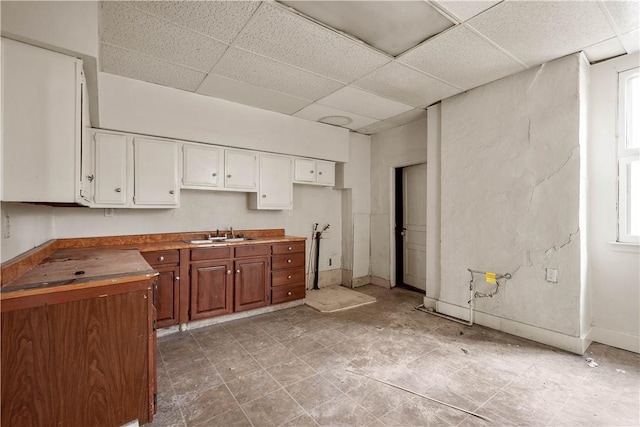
(406, 85)
(631, 41)
(287, 37)
(247, 94)
(393, 122)
(138, 31)
(137, 66)
(378, 23)
(222, 20)
(364, 103)
(604, 50)
(462, 58)
(316, 112)
(626, 14)
(259, 71)
(539, 31)
(463, 10)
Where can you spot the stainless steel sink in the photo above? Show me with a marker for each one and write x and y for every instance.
(199, 241)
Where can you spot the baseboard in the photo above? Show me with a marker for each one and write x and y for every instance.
(615, 339)
(229, 317)
(356, 282)
(326, 278)
(555, 339)
(379, 281)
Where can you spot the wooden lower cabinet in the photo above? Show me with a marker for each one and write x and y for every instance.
(211, 288)
(252, 283)
(79, 359)
(167, 293)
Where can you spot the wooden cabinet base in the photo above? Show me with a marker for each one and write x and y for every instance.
(86, 362)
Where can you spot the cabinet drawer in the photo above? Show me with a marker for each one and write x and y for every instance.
(287, 293)
(287, 277)
(210, 253)
(251, 250)
(162, 257)
(279, 262)
(287, 248)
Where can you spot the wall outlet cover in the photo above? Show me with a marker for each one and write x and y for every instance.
(551, 275)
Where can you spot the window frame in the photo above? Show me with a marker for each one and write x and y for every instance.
(625, 156)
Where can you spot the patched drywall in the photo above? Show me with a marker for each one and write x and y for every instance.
(510, 187)
(399, 147)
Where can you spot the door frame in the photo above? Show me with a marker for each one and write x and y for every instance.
(393, 268)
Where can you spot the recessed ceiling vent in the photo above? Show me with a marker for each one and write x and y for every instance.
(336, 120)
(392, 27)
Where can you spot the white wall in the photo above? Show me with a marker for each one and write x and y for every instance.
(510, 195)
(399, 147)
(24, 227)
(353, 178)
(434, 146)
(135, 106)
(614, 269)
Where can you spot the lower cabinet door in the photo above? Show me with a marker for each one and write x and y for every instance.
(211, 289)
(252, 283)
(167, 296)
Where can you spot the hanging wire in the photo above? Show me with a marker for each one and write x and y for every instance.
(498, 277)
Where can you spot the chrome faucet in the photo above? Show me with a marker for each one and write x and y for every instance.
(233, 235)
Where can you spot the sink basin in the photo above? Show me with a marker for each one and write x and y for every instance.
(235, 239)
(199, 242)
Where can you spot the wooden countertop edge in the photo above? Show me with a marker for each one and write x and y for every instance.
(133, 277)
(15, 267)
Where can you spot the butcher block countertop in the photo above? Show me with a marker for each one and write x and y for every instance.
(69, 264)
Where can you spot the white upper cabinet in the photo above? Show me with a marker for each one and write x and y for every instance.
(240, 169)
(202, 166)
(275, 184)
(325, 172)
(319, 172)
(155, 180)
(110, 181)
(41, 124)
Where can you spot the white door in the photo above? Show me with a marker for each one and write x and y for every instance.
(276, 185)
(414, 180)
(155, 172)
(201, 166)
(110, 169)
(240, 169)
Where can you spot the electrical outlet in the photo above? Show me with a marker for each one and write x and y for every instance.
(552, 275)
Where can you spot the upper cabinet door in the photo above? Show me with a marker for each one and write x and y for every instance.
(41, 124)
(110, 179)
(276, 184)
(240, 169)
(156, 173)
(305, 170)
(201, 166)
(326, 172)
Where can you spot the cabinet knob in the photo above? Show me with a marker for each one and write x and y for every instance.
(289, 277)
(289, 248)
(160, 258)
(229, 176)
(90, 178)
(214, 174)
(310, 171)
(288, 261)
(289, 293)
(172, 192)
(177, 278)
(238, 271)
(228, 272)
(264, 196)
(118, 190)
(319, 173)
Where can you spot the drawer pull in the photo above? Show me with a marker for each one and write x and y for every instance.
(118, 190)
(177, 278)
(172, 192)
(214, 174)
(228, 272)
(289, 248)
(289, 277)
(289, 293)
(238, 271)
(288, 261)
(160, 258)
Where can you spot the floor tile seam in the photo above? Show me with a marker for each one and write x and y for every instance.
(239, 405)
(174, 395)
(494, 395)
(288, 394)
(250, 353)
(212, 363)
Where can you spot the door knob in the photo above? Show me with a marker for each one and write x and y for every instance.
(172, 192)
(238, 271)
(214, 174)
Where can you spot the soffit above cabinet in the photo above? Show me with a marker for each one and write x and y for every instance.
(294, 57)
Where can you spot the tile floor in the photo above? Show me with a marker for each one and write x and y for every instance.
(288, 368)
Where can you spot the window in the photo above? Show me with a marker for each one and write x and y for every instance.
(629, 156)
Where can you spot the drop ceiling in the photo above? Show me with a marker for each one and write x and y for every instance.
(368, 66)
